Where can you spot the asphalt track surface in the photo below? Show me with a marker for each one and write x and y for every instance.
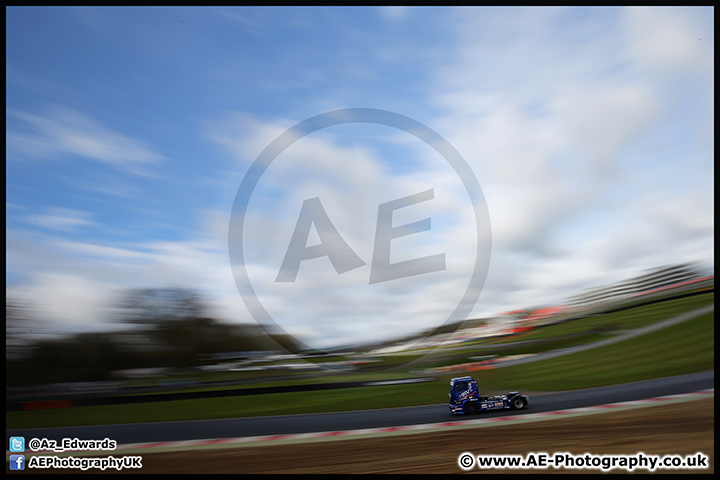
(356, 420)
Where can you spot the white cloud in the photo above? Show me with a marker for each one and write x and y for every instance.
(65, 301)
(63, 133)
(600, 120)
(670, 39)
(560, 121)
(58, 218)
(394, 13)
(72, 284)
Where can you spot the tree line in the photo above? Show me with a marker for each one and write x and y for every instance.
(156, 328)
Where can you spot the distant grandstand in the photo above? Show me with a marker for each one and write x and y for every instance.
(656, 279)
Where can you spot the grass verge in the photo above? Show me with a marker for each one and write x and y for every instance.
(684, 348)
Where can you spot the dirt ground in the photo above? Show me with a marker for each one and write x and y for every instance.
(676, 429)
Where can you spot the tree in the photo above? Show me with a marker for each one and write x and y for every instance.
(175, 324)
(22, 329)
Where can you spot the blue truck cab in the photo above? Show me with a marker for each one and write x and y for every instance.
(465, 398)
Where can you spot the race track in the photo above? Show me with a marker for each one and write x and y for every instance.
(327, 422)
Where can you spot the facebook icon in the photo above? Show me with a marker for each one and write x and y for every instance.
(17, 462)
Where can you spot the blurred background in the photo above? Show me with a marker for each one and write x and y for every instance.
(129, 131)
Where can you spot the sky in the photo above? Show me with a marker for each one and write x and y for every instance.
(504, 158)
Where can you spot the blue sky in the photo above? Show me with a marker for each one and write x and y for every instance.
(129, 131)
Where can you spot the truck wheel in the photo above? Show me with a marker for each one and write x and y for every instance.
(471, 408)
(518, 403)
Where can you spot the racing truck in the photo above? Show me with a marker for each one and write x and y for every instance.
(465, 399)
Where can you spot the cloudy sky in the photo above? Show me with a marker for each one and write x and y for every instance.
(587, 134)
